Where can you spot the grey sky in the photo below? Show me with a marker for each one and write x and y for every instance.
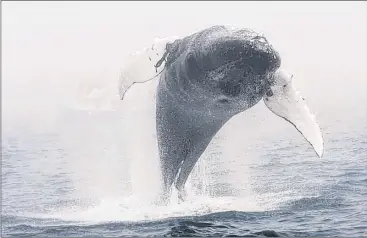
(47, 47)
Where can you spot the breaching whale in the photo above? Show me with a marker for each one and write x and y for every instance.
(204, 80)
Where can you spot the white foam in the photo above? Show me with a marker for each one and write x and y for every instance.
(131, 209)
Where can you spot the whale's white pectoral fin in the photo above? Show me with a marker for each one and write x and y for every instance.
(286, 102)
(140, 67)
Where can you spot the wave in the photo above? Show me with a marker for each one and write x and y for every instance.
(208, 225)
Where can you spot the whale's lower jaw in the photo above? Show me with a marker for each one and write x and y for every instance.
(211, 108)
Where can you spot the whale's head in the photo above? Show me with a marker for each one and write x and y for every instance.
(222, 69)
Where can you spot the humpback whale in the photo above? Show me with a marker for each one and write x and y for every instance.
(204, 80)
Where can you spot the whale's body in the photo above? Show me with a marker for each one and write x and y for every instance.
(207, 78)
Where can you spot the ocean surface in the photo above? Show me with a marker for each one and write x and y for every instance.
(92, 170)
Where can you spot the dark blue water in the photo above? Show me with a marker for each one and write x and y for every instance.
(70, 178)
(231, 223)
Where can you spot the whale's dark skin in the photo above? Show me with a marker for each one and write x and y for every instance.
(209, 77)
